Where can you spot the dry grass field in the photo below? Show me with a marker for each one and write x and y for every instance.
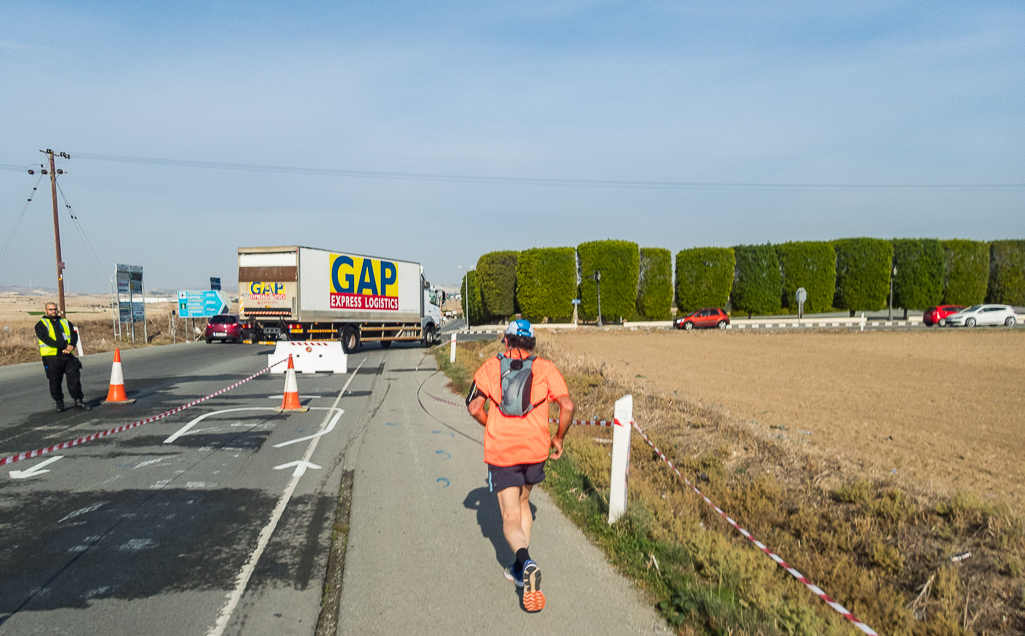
(20, 313)
(881, 465)
(941, 411)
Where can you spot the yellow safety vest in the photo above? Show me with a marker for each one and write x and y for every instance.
(47, 350)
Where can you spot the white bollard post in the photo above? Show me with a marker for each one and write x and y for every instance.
(452, 356)
(863, 321)
(624, 416)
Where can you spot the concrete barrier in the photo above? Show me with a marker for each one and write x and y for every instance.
(310, 356)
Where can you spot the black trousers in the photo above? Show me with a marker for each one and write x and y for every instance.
(57, 368)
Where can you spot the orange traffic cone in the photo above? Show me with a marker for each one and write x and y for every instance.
(116, 394)
(290, 400)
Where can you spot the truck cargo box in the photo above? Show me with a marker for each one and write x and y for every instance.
(310, 285)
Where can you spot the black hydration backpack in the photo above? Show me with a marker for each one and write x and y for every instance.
(517, 379)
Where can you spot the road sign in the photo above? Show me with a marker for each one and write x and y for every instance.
(802, 295)
(215, 283)
(576, 301)
(201, 304)
(129, 311)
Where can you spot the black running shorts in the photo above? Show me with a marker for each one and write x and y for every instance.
(502, 477)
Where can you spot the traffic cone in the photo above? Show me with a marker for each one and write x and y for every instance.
(116, 394)
(290, 400)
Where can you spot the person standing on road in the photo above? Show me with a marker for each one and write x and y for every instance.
(516, 440)
(57, 341)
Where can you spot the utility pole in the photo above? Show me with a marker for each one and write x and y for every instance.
(597, 281)
(56, 225)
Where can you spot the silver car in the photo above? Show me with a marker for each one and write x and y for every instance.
(983, 315)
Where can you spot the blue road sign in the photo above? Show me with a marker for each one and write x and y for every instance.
(215, 283)
(201, 304)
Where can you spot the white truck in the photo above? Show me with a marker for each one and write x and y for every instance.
(304, 293)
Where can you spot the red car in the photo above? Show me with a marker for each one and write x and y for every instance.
(224, 327)
(936, 315)
(704, 319)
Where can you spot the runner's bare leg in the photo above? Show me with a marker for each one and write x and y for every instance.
(526, 518)
(510, 502)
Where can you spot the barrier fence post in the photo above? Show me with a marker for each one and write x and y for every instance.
(623, 424)
(452, 355)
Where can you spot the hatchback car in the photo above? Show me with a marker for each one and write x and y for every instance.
(224, 327)
(703, 319)
(983, 315)
(938, 315)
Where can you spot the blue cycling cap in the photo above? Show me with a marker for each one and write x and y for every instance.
(520, 328)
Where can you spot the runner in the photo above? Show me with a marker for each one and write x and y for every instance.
(516, 440)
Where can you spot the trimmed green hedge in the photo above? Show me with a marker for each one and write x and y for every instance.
(496, 276)
(812, 265)
(704, 278)
(1006, 273)
(757, 284)
(862, 273)
(619, 264)
(546, 283)
(471, 299)
(655, 284)
(918, 283)
(966, 272)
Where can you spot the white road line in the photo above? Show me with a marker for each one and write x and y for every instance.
(185, 429)
(281, 397)
(330, 427)
(247, 571)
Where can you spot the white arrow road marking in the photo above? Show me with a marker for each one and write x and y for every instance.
(330, 427)
(185, 429)
(242, 580)
(300, 467)
(35, 470)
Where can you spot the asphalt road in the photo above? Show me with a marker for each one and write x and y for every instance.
(206, 527)
(134, 535)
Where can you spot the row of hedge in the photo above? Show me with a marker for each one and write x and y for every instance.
(851, 274)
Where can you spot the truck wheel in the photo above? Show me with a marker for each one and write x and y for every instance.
(428, 337)
(350, 339)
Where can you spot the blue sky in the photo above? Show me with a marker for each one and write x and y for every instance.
(876, 93)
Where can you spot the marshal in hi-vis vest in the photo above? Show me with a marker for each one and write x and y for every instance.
(47, 350)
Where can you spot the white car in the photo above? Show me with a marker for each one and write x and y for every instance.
(983, 315)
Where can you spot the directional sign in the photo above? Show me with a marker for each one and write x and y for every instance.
(201, 304)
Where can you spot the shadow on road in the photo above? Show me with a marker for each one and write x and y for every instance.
(489, 518)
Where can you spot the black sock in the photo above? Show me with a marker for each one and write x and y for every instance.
(522, 556)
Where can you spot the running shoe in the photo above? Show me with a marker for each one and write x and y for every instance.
(533, 597)
(512, 575)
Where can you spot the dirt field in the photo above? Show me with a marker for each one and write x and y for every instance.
(90, 314)
(944, 409)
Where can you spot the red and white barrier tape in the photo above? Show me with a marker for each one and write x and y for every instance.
(444, 401)
(95, 436)
(783, 564)
(761, 546)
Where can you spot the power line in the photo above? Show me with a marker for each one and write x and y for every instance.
(94, 259)
(14, 228)
(544, 181)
